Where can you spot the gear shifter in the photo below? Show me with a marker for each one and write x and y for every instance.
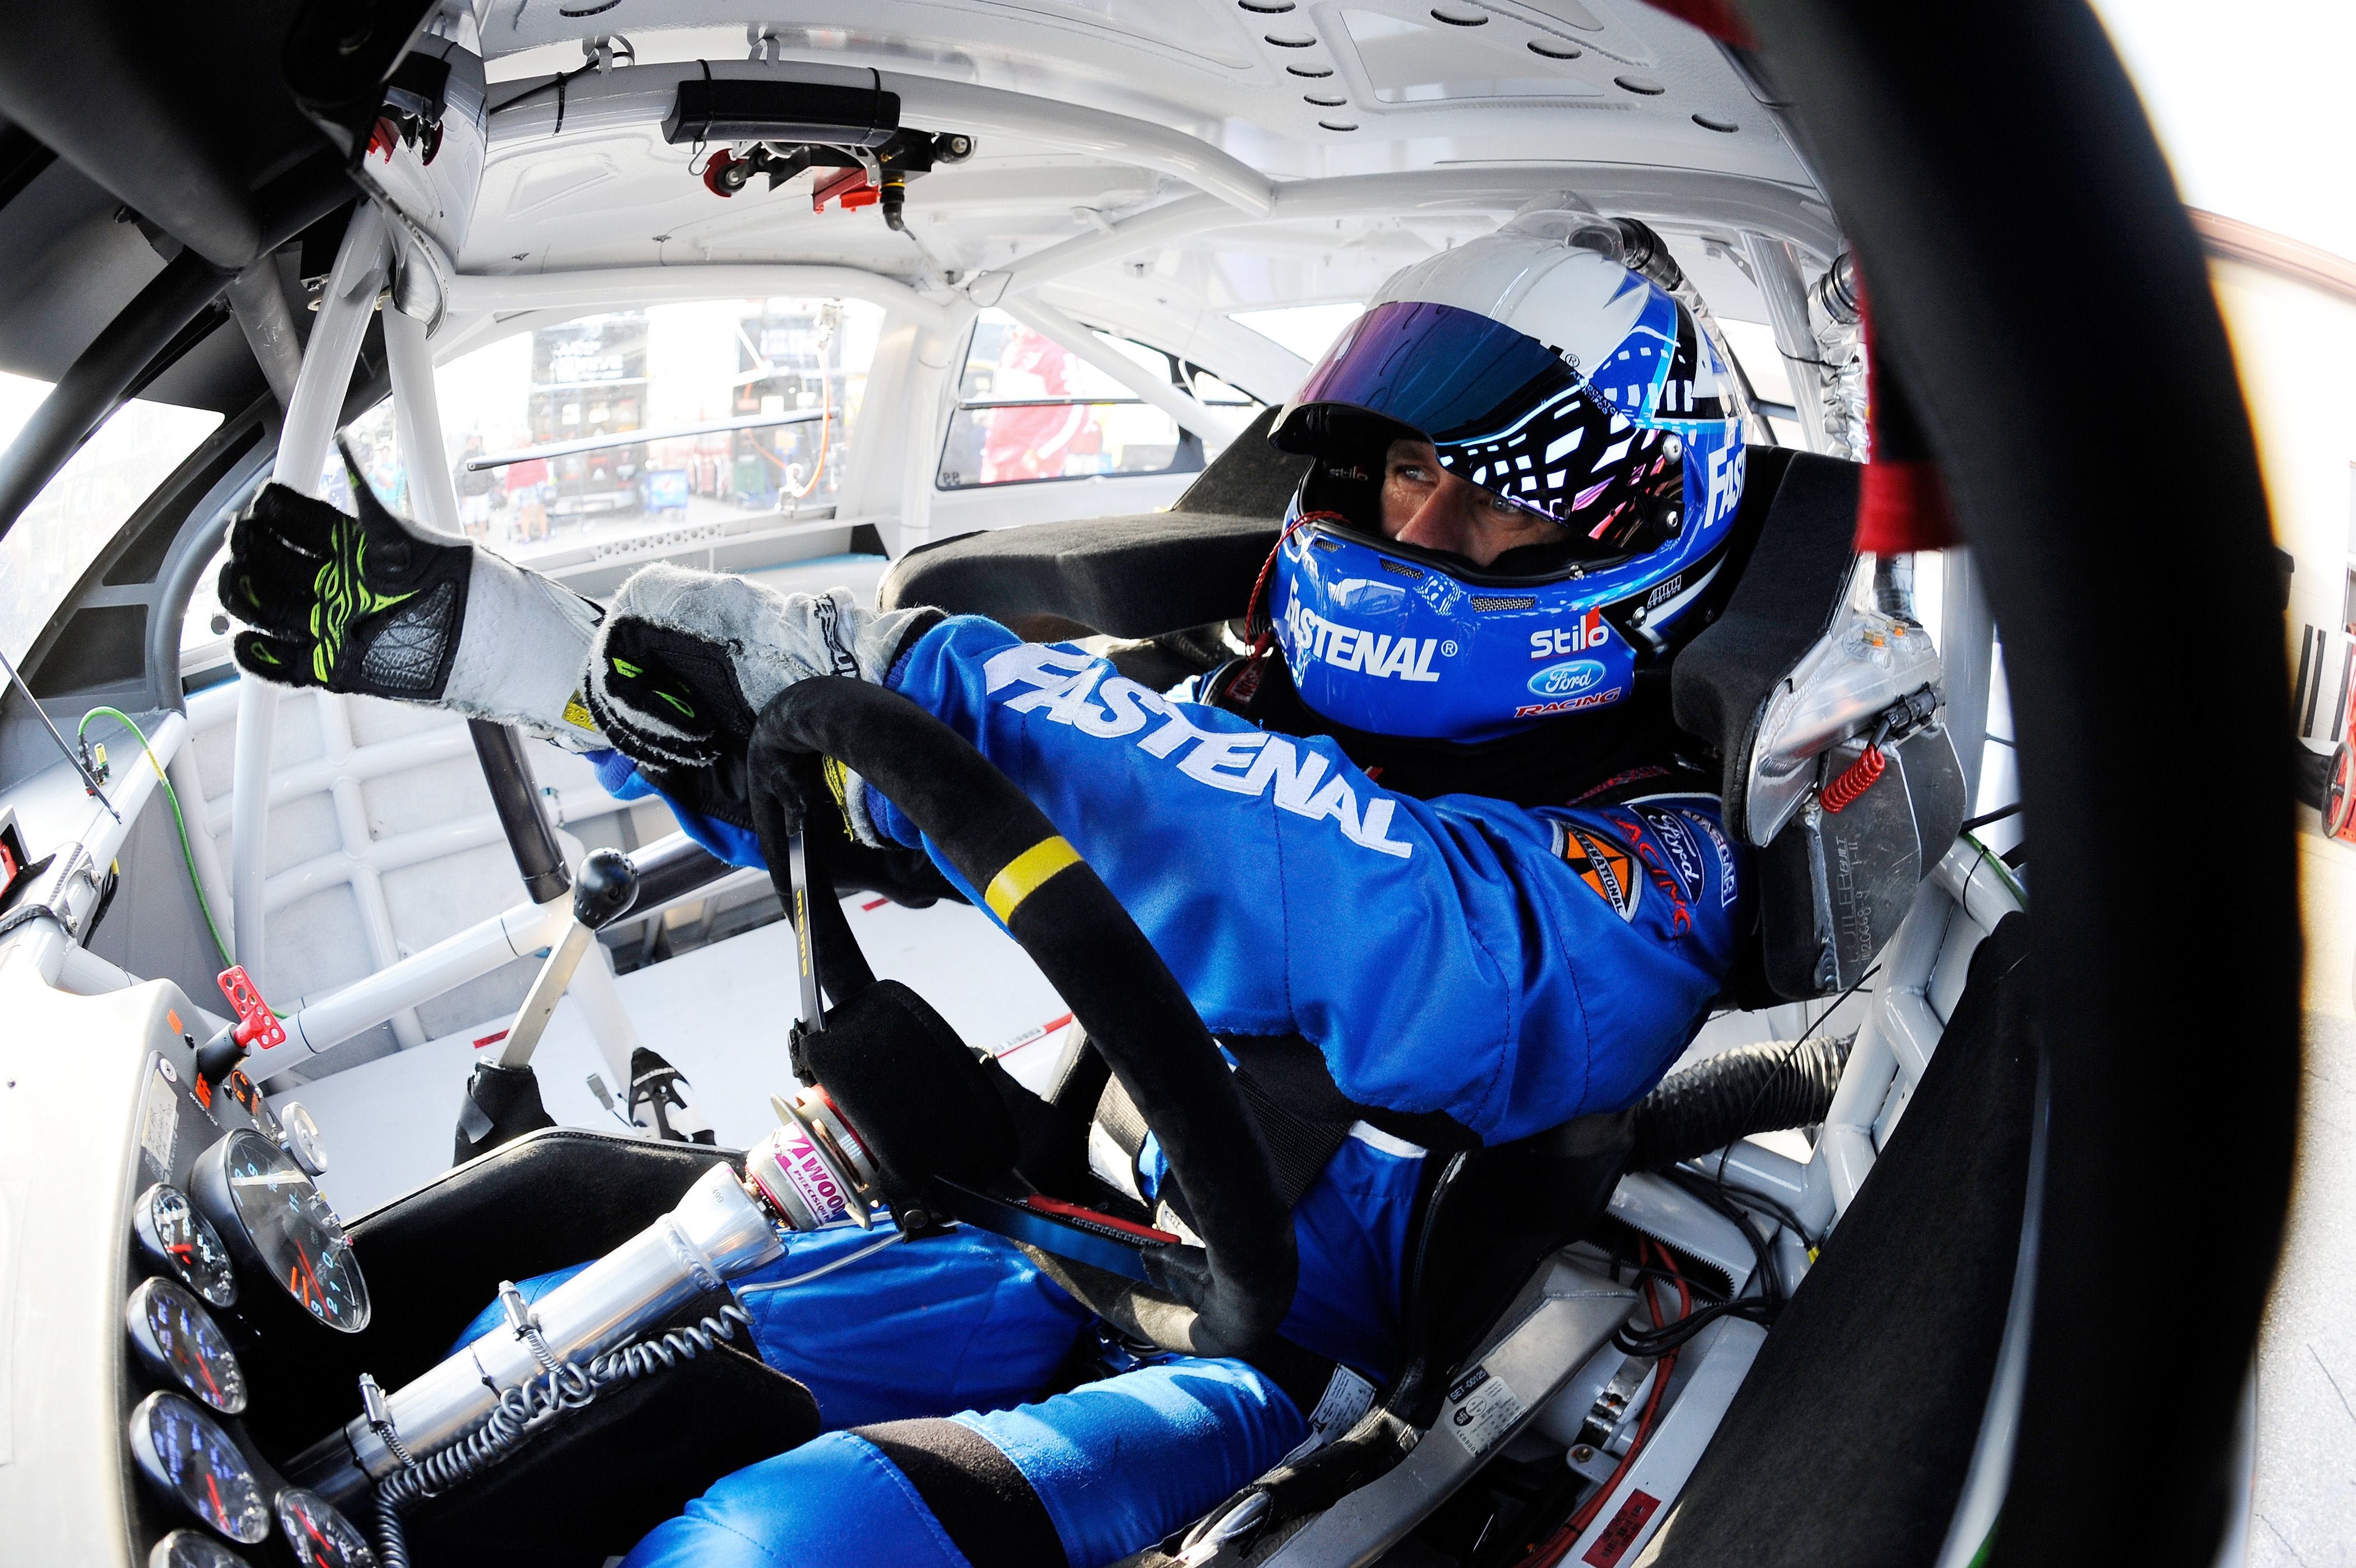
(608, 885)
(502, 1101)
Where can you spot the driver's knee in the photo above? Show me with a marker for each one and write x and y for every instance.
(835, 1501)
(1119, 1463)
(1079, 1479)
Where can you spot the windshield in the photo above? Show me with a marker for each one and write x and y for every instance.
(528, 422)
(75, 516)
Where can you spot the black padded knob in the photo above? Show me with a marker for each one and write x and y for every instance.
(607, 884)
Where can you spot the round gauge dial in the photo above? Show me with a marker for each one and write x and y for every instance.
(189, 1549)
(273, 1217)
(184, 1451)
(321, 1537)
(176, 1339)
(174, 1235)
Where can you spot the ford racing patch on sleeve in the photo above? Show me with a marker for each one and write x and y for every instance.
(1680, 854)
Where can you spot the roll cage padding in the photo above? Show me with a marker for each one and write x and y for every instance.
(2014, 251)
(1226, 1297)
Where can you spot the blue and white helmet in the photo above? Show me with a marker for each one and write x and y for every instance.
(1546, 370)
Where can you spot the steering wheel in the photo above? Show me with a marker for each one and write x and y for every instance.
(1227, 1296)
(1995, 229)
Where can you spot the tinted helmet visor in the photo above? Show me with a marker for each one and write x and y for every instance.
(1598, 455)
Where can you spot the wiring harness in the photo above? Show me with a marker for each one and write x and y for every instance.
(523, 1411)
(1664, 1337)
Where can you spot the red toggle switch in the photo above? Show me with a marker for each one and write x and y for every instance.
(257, 1026)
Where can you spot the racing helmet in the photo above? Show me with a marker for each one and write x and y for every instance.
(1563, 364)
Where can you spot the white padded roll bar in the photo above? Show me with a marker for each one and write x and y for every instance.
(344, 308)
(1214, 426)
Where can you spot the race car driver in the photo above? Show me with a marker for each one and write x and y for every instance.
(1458, 856)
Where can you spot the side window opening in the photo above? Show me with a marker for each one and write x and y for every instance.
(1030, 411)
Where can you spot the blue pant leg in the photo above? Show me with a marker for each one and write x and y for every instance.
(1117, 1464)
(960, 1321)
(1120, 1464)
(834, 1502)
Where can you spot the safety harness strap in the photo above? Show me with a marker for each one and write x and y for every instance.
(1299, 1145)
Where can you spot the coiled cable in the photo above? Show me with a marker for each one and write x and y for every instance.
(524, 1409)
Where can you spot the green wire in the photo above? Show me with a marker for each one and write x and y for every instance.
(1996, 863)
(186, 854)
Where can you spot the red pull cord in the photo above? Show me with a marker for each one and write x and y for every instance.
(1263, 632)
(1855, 779)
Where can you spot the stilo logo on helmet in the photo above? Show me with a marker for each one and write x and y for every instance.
(1557, 379)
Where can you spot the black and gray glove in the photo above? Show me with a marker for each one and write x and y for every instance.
(686, 661)
(381, 607)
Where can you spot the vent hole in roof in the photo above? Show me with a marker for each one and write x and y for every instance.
(1267, 7)
(1557, 52)
(1401, 569)
(1337, 124)
(1707, 123)
(1310, 72)
(1325, 102)
(1461, 18)
(1511, 602)
(1292, 43)
(1644, 84)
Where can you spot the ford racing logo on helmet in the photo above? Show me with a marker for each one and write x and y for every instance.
(1568, 680)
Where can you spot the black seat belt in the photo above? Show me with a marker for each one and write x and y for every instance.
(1298, 1147)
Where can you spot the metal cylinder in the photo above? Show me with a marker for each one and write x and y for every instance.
(715, 1234)
(813, 1170)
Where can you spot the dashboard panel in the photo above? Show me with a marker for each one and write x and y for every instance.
(154, 1236)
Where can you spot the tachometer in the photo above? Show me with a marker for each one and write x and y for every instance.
(321, 1537)
(188, 1549)
(175, 1236)
(175, 1338)
(184, 1451)
(274, 1218)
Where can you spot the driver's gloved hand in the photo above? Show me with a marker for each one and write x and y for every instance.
(686, 661)
(381, 607)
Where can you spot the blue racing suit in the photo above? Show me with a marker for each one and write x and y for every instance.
(1509, 967)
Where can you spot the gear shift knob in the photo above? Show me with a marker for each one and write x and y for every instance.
(606, 887)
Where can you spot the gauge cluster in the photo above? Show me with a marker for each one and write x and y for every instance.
(234, 1253)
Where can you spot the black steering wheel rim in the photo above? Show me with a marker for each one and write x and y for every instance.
(2026, 247)
(1226, 1297)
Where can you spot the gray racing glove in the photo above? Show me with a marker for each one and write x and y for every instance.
(381, 607)
(686, 661)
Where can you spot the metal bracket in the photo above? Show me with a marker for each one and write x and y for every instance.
(50, 898)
